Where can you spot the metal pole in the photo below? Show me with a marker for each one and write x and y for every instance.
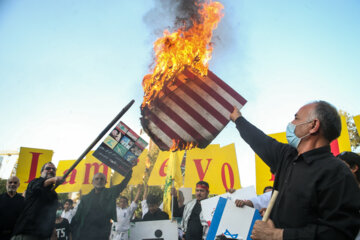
(101, 135)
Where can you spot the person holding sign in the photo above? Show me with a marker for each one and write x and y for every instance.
(92, 218)
(318, 196)
(193, 224)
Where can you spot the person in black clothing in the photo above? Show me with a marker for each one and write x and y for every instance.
(154, 212)
(37, 220)
(62, 226)
(11, 205)
(352, 160)
(318, 196)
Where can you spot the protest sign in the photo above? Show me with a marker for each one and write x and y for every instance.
(154, 230)
(75, 179)
(231, 221)
(208, 206)
(357, 123)
(29, 165)
(121, 149)
(215, 165)
(158, 174)
(138, 172)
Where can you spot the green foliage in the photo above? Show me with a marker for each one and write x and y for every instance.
(2, 185)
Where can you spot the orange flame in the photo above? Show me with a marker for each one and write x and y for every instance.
(184, 47)
(181, 145)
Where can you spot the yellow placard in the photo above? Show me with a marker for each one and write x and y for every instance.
(217, 166)
(158, 173)
(357, 123)
(263, 175)
(344, 139)
(29, 165)
(138, 172)
(74, 180)
(91, 167)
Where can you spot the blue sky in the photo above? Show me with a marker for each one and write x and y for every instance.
(68, 67)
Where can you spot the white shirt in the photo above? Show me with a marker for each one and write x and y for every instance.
(124, 216)
(69, 214)
(261, 201)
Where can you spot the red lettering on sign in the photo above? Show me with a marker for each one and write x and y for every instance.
(96, 170)
(72, 177)
(199, 168)
(231, 176)
(272, 177)
(33, 167)
(162, 168)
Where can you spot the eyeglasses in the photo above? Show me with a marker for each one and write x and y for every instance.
(50, 168)
(13, 182)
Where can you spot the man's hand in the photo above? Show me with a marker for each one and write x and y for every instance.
(231, 190)
(59, 180)
(235, 114)
(266, 230)
(241, 203)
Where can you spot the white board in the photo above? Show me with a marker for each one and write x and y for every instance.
(154, 230)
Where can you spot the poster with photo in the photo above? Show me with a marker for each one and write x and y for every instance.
(120, 149)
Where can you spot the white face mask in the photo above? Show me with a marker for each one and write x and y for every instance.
(291, 137)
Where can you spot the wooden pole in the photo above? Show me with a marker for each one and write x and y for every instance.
(101, 135)
(270, 206)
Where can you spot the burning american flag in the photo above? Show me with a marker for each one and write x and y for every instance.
(186, 105)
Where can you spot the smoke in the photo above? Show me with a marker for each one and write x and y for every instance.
(171, 14)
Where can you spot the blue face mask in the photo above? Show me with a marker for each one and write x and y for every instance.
(58, 213)
(291, 137)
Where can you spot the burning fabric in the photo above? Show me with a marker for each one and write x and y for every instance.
(185, 105)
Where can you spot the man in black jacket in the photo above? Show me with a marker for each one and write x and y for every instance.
(11, 205)
(318, 196)
(37, 220)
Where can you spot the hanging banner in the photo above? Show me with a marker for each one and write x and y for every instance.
(215, 165)
(91, 167)
(121, 149)
(75, 179)
(29, 165)
(138, 172)
(158, 173)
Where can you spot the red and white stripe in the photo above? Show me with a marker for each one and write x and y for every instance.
(195, 109)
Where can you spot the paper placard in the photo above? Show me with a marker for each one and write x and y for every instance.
(121, 149)
(154, 230)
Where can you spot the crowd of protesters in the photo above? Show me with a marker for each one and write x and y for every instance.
(319, 194)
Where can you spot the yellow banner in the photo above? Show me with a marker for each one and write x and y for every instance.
(215, 165)
(74, 180)
(29, 165)
(344, 139)
(158, 173)
(91, 167)
(263, 175)
(138, 172)
(357, 123)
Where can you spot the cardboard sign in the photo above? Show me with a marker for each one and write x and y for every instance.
(208, 206)
(121, 149)
(231, 221)
(154, 230)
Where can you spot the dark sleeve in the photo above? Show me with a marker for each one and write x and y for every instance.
(36, 187)
(164, 216)
(117, 189)
(268, 149)
(177, 212)
(339, 205)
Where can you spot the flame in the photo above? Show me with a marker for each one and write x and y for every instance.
(184, 47)
(182, 145)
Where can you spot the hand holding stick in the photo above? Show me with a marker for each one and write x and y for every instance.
(270, 206)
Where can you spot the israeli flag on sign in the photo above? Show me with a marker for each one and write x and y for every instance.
(232, 221)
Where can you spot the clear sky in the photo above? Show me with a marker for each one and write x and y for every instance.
(68, 67)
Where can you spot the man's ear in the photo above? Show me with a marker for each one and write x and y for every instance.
(315, 126)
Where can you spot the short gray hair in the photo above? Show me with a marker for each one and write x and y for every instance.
(330, 121)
